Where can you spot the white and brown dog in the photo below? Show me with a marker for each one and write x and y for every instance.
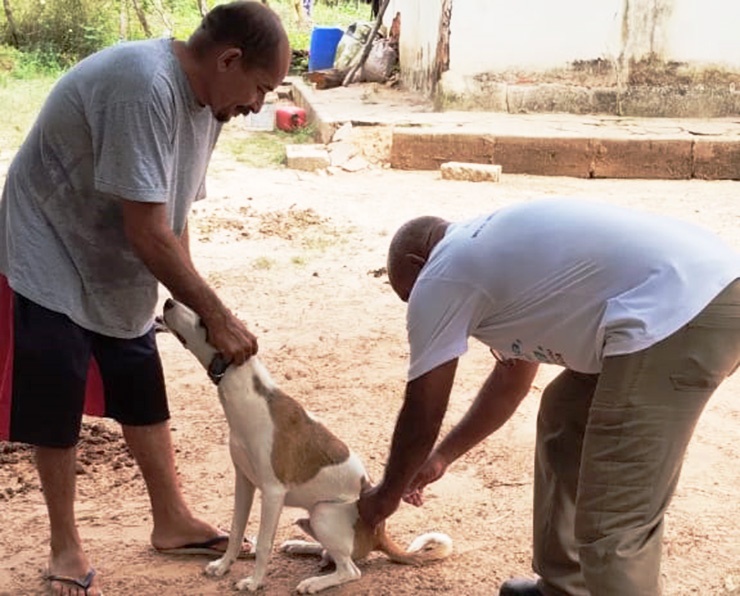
(277, 447)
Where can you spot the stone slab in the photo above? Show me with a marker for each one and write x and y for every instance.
(716, 159)
(310, 157)
(669, 159)
(471, 172)
(544, 156)
(586, 145)
(413, 149)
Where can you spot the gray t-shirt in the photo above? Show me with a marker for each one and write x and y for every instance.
(122, 124)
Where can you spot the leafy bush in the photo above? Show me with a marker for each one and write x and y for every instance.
(57, 34)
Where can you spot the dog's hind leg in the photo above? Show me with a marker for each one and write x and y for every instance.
(333, 526)
(272, 504)
(243, 498)
(303, 547)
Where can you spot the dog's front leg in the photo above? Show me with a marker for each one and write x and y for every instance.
(243, 498)
(272, 504)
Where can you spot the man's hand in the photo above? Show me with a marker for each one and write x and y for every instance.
(168, 258)
(433, 469)
(230, 337)
(376, 504)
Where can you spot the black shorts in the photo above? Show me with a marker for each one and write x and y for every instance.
(52, 370)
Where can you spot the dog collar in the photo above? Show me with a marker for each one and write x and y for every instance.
(217, 369)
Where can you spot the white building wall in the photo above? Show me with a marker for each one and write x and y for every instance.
(706, 31)
(495, 35)
(505, 35)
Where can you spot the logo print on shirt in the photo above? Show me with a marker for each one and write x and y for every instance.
(540, 354)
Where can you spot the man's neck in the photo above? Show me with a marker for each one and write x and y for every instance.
(192, 68)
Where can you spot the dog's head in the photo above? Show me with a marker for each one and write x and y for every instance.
(187, 326)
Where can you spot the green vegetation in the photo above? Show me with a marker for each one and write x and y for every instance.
(21, 101)
(339, 13)
(263, 263)
(52, 35)
(263, 149)
(40, 39)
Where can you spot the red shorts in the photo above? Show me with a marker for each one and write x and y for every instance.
(52, 370)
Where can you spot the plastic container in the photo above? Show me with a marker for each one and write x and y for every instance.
(323, 47)
(290, 118)
(350, 45)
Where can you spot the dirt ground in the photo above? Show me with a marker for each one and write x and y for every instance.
(301, 257)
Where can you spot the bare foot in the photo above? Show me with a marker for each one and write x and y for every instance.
(70, 574)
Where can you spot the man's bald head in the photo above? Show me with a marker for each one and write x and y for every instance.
(410, 249)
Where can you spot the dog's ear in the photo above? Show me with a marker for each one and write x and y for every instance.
(217, 368)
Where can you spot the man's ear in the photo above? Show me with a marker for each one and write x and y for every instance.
(229, 59)
(416, 261)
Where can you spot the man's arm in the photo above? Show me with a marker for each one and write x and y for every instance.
(498, 398)
(496, 401)
(417, 428)
(168, 258)
(185, 243)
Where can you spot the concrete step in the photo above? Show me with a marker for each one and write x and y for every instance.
(584, 146)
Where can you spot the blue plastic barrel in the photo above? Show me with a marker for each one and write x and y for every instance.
(323, 47)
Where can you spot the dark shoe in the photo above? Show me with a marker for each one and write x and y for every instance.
(519, 587)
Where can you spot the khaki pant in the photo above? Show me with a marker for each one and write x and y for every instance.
(609, 453)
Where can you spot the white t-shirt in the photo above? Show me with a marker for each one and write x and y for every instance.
(563, 281)
(122, 124)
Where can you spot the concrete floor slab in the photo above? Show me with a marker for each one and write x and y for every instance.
(540, 144)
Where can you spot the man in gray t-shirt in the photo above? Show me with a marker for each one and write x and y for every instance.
(93, 217)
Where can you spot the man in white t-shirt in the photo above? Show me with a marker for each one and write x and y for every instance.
(642, 311)
(93, 218)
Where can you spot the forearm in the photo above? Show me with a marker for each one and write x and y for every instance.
(417, 427)
(413, 439)
(185, 243)
(168, 257)
(495, 403)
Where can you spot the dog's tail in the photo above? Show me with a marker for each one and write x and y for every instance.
(432, 546)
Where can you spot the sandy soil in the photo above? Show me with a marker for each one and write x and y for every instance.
(301, 257)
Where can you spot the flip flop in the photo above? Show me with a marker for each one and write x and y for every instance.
(83, 583)
(208, 548)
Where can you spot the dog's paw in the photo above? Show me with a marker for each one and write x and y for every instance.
(313, 585)
(248, 584)
(218, 567)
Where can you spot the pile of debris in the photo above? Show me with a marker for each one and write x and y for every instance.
(366, 52)
(341, 154)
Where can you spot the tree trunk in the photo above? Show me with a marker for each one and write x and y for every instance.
(357, 67)
(163, 15)
(300, 12)
(142, 18)
(202, 7)
(14, 35)
(123, 21)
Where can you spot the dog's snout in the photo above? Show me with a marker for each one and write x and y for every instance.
(169, 303)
